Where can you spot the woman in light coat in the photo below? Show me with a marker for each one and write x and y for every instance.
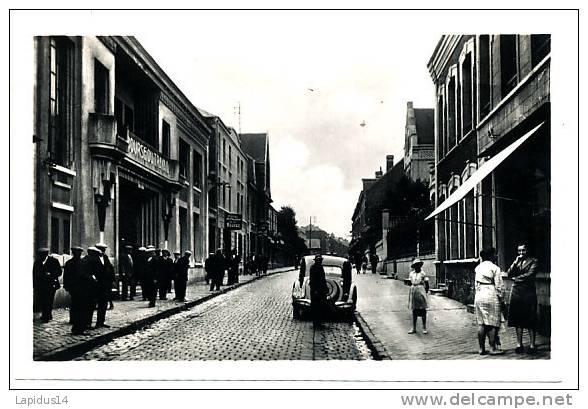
(417, 296)
(487, 302)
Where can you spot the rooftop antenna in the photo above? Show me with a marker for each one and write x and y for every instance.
(238, 111)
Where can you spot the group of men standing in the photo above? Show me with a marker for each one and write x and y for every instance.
(217, 263)
(89, 280)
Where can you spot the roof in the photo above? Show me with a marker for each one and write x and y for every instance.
(425, 125)
(255, 145)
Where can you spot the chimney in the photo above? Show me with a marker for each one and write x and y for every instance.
(389, 162)
(379, 173)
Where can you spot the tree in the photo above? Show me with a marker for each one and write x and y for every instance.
(288, 232)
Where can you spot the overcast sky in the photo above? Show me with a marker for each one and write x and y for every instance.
(310, 80)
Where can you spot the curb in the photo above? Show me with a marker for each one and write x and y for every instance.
(74, 351)
(376, 347)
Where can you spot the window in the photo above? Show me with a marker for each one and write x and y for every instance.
(197, 170)
(508, 63)
(184, 156)
(130, 118)
(184, 237)
(119, 116)
(61, 103)
(197, 238)
(101, 88)
(467, 94)
(60, 233)
(484, 80)
(540, 47)
(440, 127)
(165, 138)
(225, 151)
(451, 136)
(230, 156)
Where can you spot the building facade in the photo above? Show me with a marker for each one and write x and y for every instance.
(120, 151)
(419, 142)
(490, 91)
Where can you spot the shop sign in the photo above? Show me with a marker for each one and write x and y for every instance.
(233, 221)
(262, 228)
(148, 157)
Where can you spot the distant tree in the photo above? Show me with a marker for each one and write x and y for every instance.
(288, 231)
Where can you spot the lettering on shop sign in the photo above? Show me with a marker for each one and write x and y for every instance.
(233, 221)
(148, 157)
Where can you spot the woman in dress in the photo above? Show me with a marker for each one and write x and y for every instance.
(488, 300)
(417, 296)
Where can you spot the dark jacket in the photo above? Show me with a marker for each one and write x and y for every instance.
(125, 266)
(346, 275)
(151, 271)
(73, 276)
(318, 282)
(523, 272)
(166, 269)
(181, 268)
(46, 276)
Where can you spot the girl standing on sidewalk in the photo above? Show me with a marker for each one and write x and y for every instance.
(417, 296)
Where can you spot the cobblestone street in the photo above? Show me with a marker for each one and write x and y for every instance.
(253, 322)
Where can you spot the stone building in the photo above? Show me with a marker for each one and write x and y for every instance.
(120, 152)
(228, 188)
(493, 135)
(419, 142)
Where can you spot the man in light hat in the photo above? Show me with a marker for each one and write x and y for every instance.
(105, 276)
(318, 290)
(46, 273)
(150, 278)
(166, 267)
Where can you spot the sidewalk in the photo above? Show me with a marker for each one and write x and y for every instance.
(452, 331)
(53, 341)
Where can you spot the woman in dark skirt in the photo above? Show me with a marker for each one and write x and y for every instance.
(523, 299)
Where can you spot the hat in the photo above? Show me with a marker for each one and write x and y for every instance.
(76, 248)
(142, 248)
(101, 245)
(150, 247)
(43, 250)
(128, 246)
(416, 261)
(93, 249)
(165, 251)
(318, 257)
(188, 252)
(177, 252)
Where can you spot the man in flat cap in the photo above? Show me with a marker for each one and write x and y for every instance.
(125, 270)
(150, 276)
(166, 268)
(46, 273)
(318, 290)
(105, 276)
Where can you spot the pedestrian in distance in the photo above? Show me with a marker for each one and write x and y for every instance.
(140, 267)
(177, 255)
(218, 270)
(374, 260)
(357, 262)
(125, 272)
(46, 273)
(233, 267)
(417, 296)
(71, 275)
(166, 270)
(302, 272)
(150, 276)
(207, 268)
(318, 291)
(487, 302)
(110, 272)
(104, 272)
(181, 268)
(523, 299)
(364, 261)
(346, 272)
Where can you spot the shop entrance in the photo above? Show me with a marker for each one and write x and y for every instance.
(139, 215)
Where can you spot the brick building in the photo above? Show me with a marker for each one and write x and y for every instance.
(492, 114)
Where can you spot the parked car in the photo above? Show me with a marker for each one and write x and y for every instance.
(340, 303)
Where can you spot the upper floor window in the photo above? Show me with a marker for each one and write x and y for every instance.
(225, 151)
(184, 156)
(101, 88)
(508, 63)
(197, 170)
(165, 138)
(61, 101)
(230, 156)
(440, 127)
(540, 47)
(467, 94)
(484, 76)
(451, 114)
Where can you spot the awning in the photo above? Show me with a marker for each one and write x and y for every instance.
(481, 173)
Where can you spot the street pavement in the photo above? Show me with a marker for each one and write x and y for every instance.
(452, 330)
(54, 341)
(253, 322)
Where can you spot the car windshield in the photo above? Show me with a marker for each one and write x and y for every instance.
(332, 270)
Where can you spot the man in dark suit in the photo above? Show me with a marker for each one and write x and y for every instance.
(73, 283)
(151, 275)
(166, 270)
(217, 268)
(181, 275)
(140, 264)
(346, 275)
(46, 273)
(101, 268)
(318, 290)
(109, 272)
(125, 271)
(523, 299)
